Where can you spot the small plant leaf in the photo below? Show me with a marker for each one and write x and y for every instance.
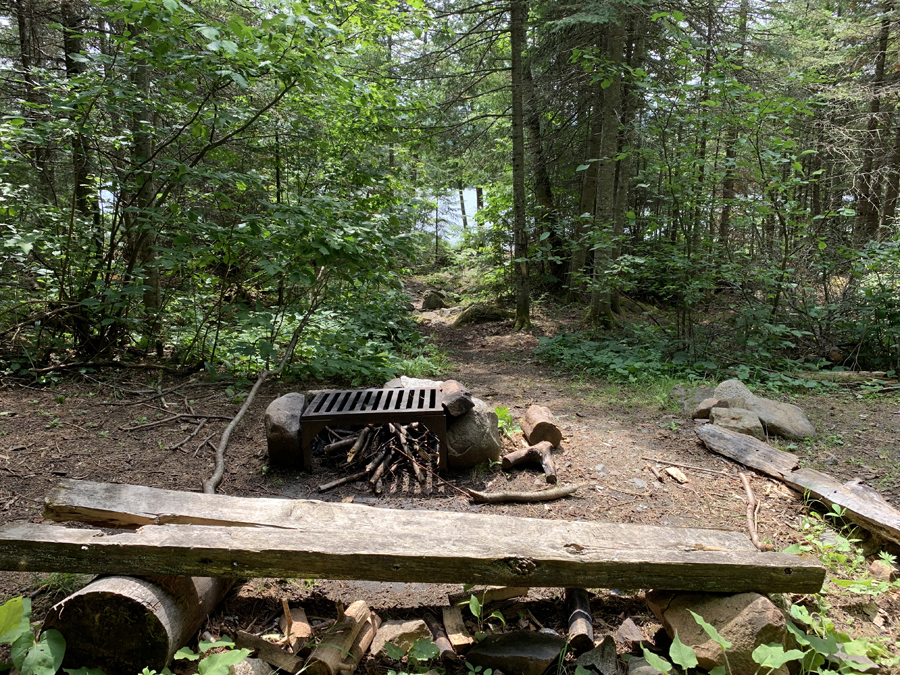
(710, 630)
(14, 619)
(718, 670)
(186, 653)
(220, 664)
(224, 641)
(46, 656)
(393, 651)
(657, 662)
(85, 671)
(581, 670)
(681, 654)
(424, 650)
(475, 606)
(774, 656)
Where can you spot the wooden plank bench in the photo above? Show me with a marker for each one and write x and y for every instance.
(197, 534)
(374, 406)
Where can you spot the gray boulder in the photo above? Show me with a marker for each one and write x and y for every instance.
(401, 633)
(601, 660)
(688, 397)
(641, 666)
(521, 652)
(779, 419)
(738, 419)
(474, 437)
(433, 300)
(282, 422)
(481, 313)
(747, 620)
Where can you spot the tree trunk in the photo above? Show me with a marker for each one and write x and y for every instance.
(520, 242)
(600, 311)
(462, 204)
(893, 184)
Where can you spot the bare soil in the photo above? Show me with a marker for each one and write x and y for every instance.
(101, 428)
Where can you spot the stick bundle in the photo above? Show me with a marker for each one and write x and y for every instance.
(378, 453)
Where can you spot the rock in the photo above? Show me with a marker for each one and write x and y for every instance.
(701, 411)
(251, 667)
(629, 635)
(520, 652)
(779, 419)
(456, 398)
(474, 437)
(481, 313)
(882, 570)
(282, 422)
(433, 300)
(689, 397)
(400, 633)
(640, 666)
(739, 420)
(411, 382)
(747, 620)
(601, 659)
(396, 383)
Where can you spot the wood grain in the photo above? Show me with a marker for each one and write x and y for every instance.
(747, 451)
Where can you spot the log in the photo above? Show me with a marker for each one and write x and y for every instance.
(456, 629)
(512, 496)
(542, 453)
(363, 641)
(581, 623)
(359, 444)
(343, 480)
(748, 451)
(865, 507)
(274, 655)
(439, 635)
(539, 424)
(123, 624)
(328, 657)
(390, 545)
(342, 444)
(457, 400)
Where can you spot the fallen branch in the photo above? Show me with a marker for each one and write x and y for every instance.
(688, 466)
(540, 453)
(512, 496)
(752, 507)
(352, 478)
(173, 418)
(187, 438)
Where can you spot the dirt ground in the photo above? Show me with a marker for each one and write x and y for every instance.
(102, 427)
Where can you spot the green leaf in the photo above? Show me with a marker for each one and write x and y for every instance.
(205, 645)
(710, 630)
(583, 167)
(773, 655)
(220, 664)
(186, 653)
(474, 606)
(84, 671)
(581, 670)
(14, 615)
(681, 654)
(544, 236)
(718, 670)
(657, 662)
(423, 650)
(20, 648)
(46, 656)
(393, 651)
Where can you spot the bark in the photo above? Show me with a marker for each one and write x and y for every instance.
(581, 628)
(520, 242)
(462, 204)
(893, 184)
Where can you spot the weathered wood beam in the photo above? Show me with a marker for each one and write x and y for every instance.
(747, 450)
(413, 546)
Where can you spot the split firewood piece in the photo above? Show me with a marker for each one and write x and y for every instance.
(352, 478)
(381, 468)
(328, 657)
(439, 635)
(510, 496)
(456, 629)
(360, 443)
(457, 400)
(539, 424)
(296, 629)
(274, 655)
(362, 642)
(581, 626)
(677, 474)
(488, 594)
(542, 452)
(376, 460)
(342, 444)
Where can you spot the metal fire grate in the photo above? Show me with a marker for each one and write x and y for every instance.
(374, 406)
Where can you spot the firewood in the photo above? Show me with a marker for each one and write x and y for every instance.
(360, 443)
(328, 657)
(362, 642)
(169, 611)
(511, 496)
(439, 635)
(352, 478)
(274, 655)
(378, 459)
(581, 628)
(381, 468)
(297, 630)
(342, 444)
(539, 424)
(456, 629)
(542, 452)
(457, 400)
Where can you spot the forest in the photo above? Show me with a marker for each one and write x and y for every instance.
(212, 184)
